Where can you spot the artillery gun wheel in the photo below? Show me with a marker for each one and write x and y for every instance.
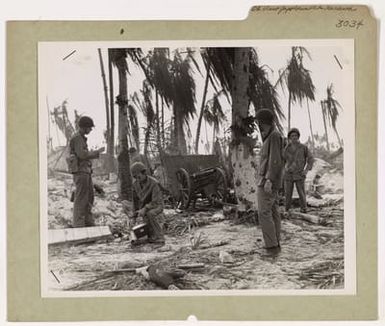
(221, 186)
(185, 190)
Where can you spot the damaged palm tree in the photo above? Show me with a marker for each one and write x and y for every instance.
(298, 81)
(119, 60)
(238, 72)
(331, 108)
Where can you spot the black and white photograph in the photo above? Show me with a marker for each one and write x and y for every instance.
(197, 167)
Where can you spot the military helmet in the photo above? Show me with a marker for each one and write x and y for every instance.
(265, 116)
(293, 130)
(137, 167)
(86, 122)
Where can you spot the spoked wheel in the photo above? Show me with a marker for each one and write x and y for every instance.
(221, 186)
(185, 191)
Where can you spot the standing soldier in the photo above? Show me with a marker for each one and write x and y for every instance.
(270, 180)
(298, 161)
(81, 167)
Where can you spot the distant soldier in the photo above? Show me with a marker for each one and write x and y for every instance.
(80, 166)
(298, 161)
(148, 202)
(270, 180)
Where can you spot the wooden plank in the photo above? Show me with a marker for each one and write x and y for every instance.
(307, 217)
(78, 235)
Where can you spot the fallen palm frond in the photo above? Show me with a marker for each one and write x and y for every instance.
(326, 274)
(177, 225)
(196, 240)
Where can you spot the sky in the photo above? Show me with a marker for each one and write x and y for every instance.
(78, 80)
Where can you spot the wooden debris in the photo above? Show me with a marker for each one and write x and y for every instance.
(307, 217)
(78, 235)
(191, 266)
(214, 245)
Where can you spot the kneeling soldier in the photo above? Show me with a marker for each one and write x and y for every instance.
(148, 202)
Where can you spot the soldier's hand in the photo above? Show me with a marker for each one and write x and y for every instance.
(268, 187)
(142, 212)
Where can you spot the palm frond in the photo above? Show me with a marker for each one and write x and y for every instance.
(332, 106)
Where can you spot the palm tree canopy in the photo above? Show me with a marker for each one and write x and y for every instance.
(332, 106)
(261, 92)
(296, 78)
(213, 112)
(159, 72)
(183, 85)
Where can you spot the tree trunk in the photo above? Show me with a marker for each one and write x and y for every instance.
(147, 139)
(124, 172)
(105, 96)
(163, 136)
(244, 161)
(207, 139)
(111, 143)
(338, 137)
(179, 132)
(202, 109)
(311, 126)
(158, 135)
(289, 112)
(326, 129)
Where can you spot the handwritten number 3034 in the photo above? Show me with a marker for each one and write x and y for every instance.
(350, 23)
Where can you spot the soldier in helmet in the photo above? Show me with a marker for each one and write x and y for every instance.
(81, 168)
(148, 202)
(298, 161)
(270, 180)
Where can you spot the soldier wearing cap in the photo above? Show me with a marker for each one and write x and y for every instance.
(81, 167)
(148, 202)
(298, 161)
(270, 180)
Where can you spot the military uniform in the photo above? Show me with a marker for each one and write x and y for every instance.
(296, 157)
(84, 192)
(270, 168)
(148, 196)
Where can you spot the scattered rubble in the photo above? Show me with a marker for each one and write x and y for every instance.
(211, 248)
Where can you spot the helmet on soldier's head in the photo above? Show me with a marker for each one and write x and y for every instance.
(86, 122)
(265, 116)
(137, 167)
(295, 131)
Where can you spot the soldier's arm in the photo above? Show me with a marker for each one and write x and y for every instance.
(274, 165)
(81, 152)
(309, 160)
(135, 200)
(156, 198)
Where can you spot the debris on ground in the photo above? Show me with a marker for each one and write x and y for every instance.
(212, 248)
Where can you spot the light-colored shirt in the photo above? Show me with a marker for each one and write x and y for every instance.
(297, 159)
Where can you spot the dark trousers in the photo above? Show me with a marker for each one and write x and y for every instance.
(84, 199)
(154, 218)
(289, 186)
(269, 217)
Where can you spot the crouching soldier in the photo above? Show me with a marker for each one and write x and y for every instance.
(148, 202)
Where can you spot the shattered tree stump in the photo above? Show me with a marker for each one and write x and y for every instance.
(78, 235)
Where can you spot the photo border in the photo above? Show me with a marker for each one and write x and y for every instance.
(24, 301)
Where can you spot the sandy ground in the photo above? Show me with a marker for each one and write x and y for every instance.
(232, 254)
